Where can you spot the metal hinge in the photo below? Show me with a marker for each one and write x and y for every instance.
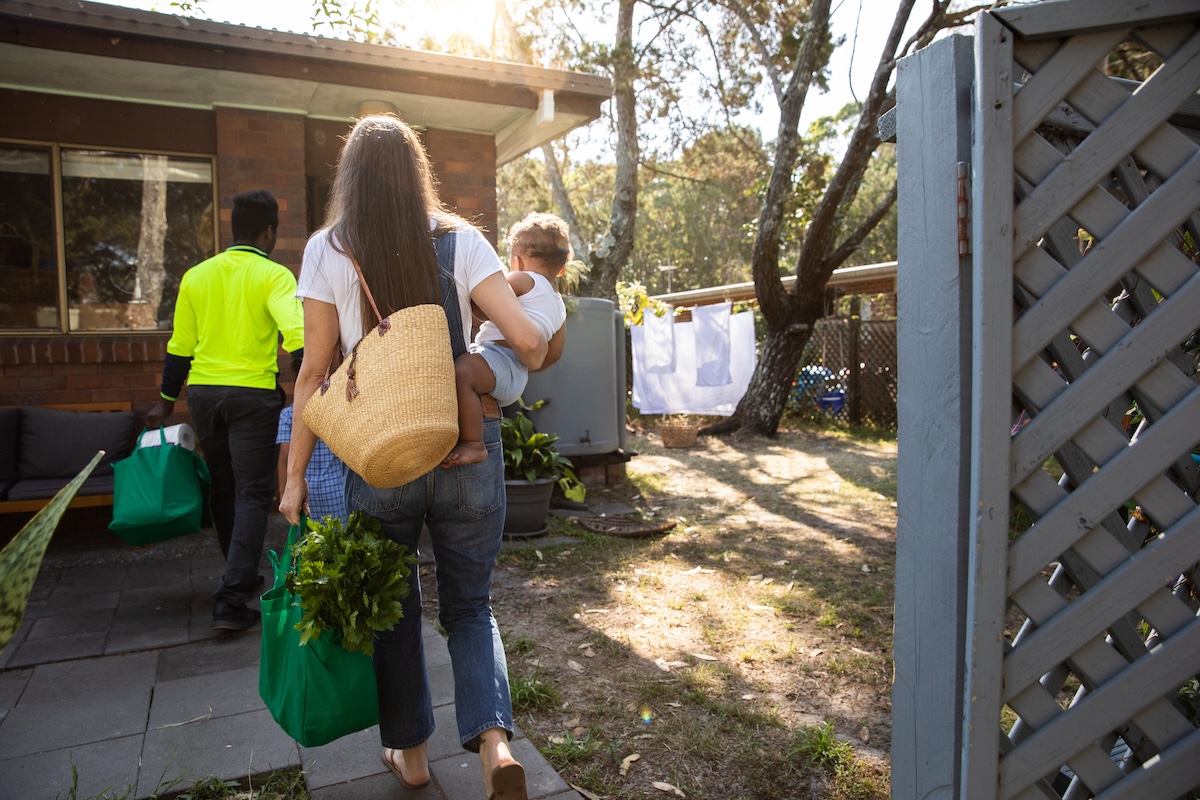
(964, 208)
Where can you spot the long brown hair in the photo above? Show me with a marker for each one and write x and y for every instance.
(379, 209)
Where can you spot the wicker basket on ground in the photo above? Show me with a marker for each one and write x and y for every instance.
(678, 432)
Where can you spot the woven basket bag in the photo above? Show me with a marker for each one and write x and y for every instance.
(390, 411)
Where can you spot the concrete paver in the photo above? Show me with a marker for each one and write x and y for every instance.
(115, 682)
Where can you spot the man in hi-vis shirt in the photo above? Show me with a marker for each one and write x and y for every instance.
(230, 313)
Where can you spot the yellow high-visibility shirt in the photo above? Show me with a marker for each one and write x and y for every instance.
(230, 312)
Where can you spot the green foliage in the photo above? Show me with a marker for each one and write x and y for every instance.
(211, 788)
(532, 694)
(820, 746)
(531, 456)
(350, 579)
(878, 180)
(693, 213)
(348, 19)
(635, 301)
(1189, 697)
(572, 749)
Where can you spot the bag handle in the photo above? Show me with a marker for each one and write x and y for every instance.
(383, 327)
(282, 565)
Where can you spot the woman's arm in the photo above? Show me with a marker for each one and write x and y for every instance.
(320, 344)
(496, 300)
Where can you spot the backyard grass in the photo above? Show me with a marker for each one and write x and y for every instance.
(744, 654)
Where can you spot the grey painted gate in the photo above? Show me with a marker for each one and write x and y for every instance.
(1047, 640)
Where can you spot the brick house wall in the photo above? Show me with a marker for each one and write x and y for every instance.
(465, 167)
(264, 150)
(254, 150)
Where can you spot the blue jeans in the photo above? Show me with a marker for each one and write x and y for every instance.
(464, 510)
(236, 427)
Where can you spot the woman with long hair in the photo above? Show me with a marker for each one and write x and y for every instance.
(385, 215)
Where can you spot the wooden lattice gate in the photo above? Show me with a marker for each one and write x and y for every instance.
(1047, 640)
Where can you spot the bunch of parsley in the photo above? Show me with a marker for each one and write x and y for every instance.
(350, 580)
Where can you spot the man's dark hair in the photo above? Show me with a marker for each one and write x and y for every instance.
(253, 213)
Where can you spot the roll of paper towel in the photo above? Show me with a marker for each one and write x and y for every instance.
(181, 434)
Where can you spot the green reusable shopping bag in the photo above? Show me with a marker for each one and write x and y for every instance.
(159, 493)
(318, 691)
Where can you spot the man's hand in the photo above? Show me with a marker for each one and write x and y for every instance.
(159, 414)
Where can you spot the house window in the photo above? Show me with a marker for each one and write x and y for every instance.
(130, 225)
(28, 270)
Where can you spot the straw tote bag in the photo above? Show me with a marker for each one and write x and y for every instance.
(390, 410)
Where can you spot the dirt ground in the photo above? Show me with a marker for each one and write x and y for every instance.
(707, 650)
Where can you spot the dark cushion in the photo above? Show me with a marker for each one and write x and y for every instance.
(4, 487)
(39, 488)
(58, 444)
(10, 442)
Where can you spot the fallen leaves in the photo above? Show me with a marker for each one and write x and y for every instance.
(625, 762)
(663, 786)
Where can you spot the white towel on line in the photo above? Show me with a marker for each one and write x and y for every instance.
(676, 392)
(710, 326)
(660, 341)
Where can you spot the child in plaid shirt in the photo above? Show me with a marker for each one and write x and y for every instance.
(326, 474)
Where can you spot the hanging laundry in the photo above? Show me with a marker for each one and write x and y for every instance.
(710, 326)
(660, 341)
(677, 392)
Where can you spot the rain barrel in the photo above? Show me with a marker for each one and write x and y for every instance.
(586, 387)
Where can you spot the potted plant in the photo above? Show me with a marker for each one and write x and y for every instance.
(532, 468)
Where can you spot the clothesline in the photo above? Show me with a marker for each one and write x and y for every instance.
(698, 367)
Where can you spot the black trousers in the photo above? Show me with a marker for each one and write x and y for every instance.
(237, 427)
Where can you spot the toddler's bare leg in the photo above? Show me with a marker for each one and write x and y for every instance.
(472, 377)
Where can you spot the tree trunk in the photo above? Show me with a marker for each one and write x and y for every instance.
(565, 207)
(760, 409)
(615, 247)
(142, 311)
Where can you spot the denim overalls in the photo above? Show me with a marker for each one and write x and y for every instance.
(464, 510)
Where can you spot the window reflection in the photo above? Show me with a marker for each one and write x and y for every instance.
(132, 225)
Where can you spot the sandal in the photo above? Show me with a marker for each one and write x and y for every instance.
(388, 761)
(508, 782)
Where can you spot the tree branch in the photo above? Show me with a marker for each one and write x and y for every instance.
(563, 200)
(764, 52)
(657, 170)
(852, 242)
(818, 238)
(772, 297)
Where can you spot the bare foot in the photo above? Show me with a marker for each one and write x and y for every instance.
(413, 762)
(466, 453)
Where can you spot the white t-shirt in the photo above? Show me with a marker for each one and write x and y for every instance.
(327, 275)
(542, 303)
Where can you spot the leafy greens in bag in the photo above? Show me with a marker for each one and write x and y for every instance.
(350, 579)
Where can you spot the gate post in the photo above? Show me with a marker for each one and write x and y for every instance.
(933, 135)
